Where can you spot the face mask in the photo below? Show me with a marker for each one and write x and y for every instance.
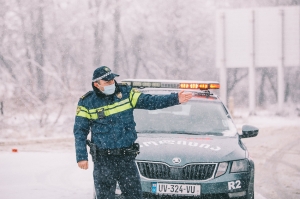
(108, 90)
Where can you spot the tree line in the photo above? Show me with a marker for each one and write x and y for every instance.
(49, 48)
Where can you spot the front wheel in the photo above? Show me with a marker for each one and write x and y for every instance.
(251, 195)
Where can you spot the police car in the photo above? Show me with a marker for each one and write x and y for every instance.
(192, 149)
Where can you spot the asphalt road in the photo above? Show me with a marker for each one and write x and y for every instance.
(47, 169)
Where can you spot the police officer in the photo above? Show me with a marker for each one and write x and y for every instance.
(107, 112)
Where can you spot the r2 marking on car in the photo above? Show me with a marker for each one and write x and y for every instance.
(180, 142)
(234, 185)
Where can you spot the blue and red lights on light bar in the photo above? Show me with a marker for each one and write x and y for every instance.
(181, 84)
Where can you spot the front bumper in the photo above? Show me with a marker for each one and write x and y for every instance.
(229, 185)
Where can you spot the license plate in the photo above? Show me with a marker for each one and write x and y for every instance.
(177, 189)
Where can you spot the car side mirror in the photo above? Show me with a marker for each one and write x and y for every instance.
(249, 131)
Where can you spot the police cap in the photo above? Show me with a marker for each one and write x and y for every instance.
(104, 73)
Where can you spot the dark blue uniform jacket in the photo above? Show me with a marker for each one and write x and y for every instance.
(110, 118)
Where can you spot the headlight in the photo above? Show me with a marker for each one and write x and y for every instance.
(239, 166)
(221, 168)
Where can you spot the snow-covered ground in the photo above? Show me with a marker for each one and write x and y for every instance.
(46, 168)
(43, 175)
(46, 175)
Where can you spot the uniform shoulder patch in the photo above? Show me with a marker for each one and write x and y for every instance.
(135, 90)
(78, 110)
(87, 94)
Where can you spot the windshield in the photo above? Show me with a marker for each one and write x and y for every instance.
(194, 117)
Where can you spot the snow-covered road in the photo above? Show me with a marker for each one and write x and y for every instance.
(46, 175)
(46, 169)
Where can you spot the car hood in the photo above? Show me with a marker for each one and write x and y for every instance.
(189, 148)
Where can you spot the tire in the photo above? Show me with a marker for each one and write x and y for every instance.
(251, 195)
(248, 196)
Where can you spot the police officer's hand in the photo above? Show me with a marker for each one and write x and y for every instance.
(83, 164)
(184, 97)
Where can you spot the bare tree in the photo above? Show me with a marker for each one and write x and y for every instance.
(234, 77)
(39, 45)
(98, 9)
(50, 48)
(116, 36)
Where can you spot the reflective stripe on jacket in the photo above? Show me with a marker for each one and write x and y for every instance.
(110, 118)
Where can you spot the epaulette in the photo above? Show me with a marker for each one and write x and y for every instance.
(135, 90)
(87, 94)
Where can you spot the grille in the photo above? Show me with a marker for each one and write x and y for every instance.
(189, 172)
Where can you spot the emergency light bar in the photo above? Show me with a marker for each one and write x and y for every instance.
(180, 84)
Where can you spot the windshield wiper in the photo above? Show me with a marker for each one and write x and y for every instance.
(183, 132)
(152, 131)
(196, 133)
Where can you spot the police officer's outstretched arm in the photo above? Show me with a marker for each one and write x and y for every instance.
(81, 131)
(152, 102)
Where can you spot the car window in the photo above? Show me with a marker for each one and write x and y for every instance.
(194, 117)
